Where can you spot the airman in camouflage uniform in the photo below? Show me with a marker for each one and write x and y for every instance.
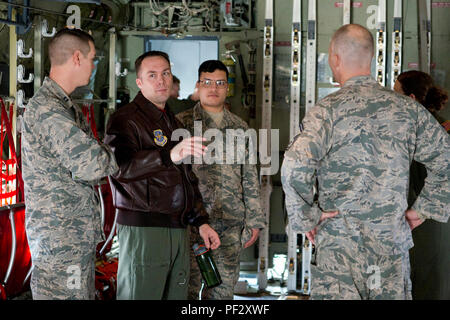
(62, 162)
(230, 192)
(358, 143)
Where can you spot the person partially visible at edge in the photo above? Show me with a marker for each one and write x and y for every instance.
(156, 195)
(62, 162)
(358, 144)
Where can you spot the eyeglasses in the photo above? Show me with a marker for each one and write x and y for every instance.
(209, 83)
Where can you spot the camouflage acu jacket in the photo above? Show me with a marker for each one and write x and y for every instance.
(230, 192)
(61, 162)
(359, 143)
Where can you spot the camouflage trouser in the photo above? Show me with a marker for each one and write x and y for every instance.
(356, 274)
(63, 279)
(226, 257)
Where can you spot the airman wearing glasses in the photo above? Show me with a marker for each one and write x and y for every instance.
(230, 191)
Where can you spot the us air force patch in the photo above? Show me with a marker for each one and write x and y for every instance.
(160, 139)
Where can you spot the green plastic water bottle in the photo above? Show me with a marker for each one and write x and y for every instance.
(207, 266)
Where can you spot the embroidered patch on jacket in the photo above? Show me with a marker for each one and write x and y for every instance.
(160, 139)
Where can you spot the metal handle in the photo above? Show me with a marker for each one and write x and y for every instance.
(21, 48)
(21, 74)
(44, 30)
(20, 99)
(336, 84)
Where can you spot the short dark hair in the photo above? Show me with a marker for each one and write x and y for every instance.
(175, 79)
(211, 66)
(65, 42)
(152, 53)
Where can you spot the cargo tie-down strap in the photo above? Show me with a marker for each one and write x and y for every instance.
(10, 170)
(15, 271)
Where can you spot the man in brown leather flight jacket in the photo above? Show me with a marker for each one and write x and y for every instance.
(155, 197)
